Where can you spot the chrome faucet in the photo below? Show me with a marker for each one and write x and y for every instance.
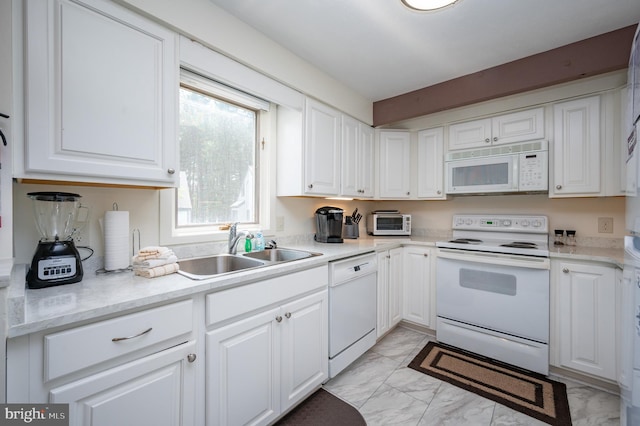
(234, 237)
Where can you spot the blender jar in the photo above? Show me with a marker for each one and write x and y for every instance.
(56, 214)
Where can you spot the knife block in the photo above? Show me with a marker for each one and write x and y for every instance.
(350, 231)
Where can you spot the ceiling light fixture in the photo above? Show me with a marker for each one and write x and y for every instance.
(424, 5)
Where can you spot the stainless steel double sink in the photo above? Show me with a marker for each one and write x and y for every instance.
(212, 266)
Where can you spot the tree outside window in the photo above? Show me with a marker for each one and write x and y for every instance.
(218, 141)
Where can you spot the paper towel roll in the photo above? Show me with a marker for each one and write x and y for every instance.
(116, 240)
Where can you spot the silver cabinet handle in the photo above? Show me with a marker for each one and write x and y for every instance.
(558, 186)
(565, 270)
(425, 255)
(171, 171)
(310, 186)
(487, 140)
(495, 138)
(279, 318)
(439, 192)
(408, 193)
(117, 339)
(191, 357)
(288, 315)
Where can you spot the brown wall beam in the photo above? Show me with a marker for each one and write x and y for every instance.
(596, 55)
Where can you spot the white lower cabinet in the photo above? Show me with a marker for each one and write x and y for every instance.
(266, 347)
(135, 369)
(155, 390)
(585, 317)
(419, 286)
(389, 290)
(258, 367)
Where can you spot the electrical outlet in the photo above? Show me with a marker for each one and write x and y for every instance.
(279, 223)
(82, 237)
(605, 225)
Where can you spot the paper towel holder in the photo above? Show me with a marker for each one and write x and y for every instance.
(115, 207)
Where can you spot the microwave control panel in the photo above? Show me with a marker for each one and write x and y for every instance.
(533, 171)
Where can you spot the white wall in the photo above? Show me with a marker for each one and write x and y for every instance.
(579, 214)
(203, 21)
(142, 205)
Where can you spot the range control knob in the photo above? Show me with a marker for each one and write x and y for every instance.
(506, 223)
(536, 224)
(524, 223)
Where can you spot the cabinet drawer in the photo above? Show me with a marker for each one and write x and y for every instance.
(237, 301)
(72, 350)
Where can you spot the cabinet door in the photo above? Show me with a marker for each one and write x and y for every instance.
(101, 94)
(322, 149)
(518, 127)
(418, 286)
(305, 362)
(587, 313)
(395, 163)
(243, 372)
(470, 134)
(156, 390)
(382, 325)
(350, 161)
(395, 286)
(366, 165)
(576, 148)
(431, 164)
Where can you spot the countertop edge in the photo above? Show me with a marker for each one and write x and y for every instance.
(31, 311)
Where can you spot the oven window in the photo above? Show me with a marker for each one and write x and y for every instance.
(492, 282)
(486, 174)
(389, 223)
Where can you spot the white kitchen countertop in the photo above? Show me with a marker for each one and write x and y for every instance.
(110, 294)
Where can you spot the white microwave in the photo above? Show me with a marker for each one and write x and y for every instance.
(509, 168)
(388, 224)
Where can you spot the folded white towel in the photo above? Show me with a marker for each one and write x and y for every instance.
(157, 271)
(146, 254)
(154, 263)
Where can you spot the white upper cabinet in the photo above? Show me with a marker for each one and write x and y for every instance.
(322, 152)
(431, 164)
(101, 95)
(357, 158)
(322, 144)
(515, 127)
(394, 164)
(576, 148)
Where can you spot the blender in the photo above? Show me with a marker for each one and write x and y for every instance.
(56, 260)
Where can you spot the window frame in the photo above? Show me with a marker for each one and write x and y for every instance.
(170, 233)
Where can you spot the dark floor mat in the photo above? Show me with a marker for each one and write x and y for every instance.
(323, 409)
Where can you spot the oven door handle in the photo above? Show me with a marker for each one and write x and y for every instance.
(496, 259)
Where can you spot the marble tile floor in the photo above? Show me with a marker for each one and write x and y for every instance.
(387, 392)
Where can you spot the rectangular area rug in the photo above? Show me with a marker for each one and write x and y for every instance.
(527, 392)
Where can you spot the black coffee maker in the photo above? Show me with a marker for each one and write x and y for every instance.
(329, 225)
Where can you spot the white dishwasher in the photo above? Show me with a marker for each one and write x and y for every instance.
(352, 310)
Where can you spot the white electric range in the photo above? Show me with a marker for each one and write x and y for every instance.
(493, 288)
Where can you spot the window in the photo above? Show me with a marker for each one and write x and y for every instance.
(217, 161)
(220, 134)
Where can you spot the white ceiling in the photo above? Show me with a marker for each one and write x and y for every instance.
(382, 49)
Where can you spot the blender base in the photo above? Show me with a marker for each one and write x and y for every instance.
(55, 263)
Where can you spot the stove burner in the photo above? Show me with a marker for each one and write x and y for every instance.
(466, 241)
(521, 244)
